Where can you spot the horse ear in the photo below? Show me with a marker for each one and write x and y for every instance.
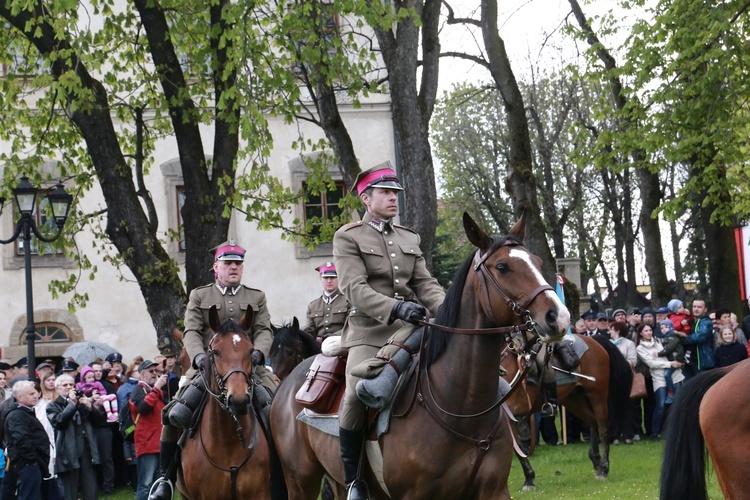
(475, 234)
(295, 324)
(214, 322)
(246, 322)
(519, 228)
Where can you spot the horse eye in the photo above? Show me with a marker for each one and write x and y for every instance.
(502, 267)
(217, 353)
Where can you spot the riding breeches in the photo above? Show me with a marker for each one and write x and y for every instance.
(353, 412)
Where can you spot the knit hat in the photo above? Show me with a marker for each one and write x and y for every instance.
(674, 304)
(85, 371)
(668, 324)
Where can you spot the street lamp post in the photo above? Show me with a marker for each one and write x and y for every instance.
(25, 195)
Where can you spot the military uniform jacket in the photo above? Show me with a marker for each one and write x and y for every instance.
(197, 332)
(324, 319)
(376, 269)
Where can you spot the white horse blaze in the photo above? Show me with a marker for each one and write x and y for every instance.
(235, 339)
(563, 315)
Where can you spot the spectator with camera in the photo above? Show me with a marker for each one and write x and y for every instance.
(72, 415)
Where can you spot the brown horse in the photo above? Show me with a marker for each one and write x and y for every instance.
(590, 399)
(290, 346)
(710, 408)
(451, 440)
(228, 456)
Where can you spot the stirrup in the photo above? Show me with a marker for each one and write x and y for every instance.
(157, 484)
(548, 410)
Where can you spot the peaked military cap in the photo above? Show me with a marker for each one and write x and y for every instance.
(327, 270)
(229, 250)
(381, 175)
(590, 314)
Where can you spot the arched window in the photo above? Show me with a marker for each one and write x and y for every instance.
(49, 333)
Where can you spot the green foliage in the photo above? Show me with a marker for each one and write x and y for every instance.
(688, 62)
(239, 65)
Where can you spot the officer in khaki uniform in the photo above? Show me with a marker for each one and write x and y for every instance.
(327, 313)
(383, 275)
(232, 300)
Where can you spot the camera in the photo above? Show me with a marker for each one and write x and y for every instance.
(79, 393)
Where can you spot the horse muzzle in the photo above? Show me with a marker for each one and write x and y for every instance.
(238, 405)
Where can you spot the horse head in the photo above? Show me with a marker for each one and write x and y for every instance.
(508, 280)
(290, 346)
(229, 358)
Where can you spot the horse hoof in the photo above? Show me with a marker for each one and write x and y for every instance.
(600, 477)
(529, 487)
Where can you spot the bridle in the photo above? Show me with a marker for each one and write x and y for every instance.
(221, 398)
(520, 309)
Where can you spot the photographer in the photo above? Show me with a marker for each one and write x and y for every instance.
(72, 415)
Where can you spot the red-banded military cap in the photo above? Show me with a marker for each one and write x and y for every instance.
(229, 250)
(327, 270)
(382, 176)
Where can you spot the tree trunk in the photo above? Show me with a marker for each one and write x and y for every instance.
(648, 182)
(413, 101)
(521, 182)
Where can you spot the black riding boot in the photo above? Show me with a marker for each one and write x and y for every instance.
(351, 451)
(164, 489)
(549, 408)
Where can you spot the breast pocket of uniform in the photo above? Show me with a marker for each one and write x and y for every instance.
(338, 315)
(410, 253)
(374, 259)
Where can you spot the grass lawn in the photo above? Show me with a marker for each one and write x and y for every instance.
(566, 472)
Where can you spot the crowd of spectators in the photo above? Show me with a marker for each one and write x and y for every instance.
(668, 346)
(99, 425)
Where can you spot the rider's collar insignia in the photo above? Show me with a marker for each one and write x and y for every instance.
(379, 225)
(224, 289)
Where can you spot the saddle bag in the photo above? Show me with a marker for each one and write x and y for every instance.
(322, 382)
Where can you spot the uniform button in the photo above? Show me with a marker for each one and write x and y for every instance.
(230, 302)
(326, 321)
(411, 250)
(380, 317)
(231, 309)
(395, 268)
(372, 251)
(398, 281)
(385, 233)
(393, 255)
(390, 243)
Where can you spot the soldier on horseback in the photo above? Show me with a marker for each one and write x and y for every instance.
(383, 275)
(232, 299)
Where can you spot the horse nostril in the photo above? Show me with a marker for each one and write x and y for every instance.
(551, 318)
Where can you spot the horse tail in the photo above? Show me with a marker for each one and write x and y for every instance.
(683, 472)
(620, 376)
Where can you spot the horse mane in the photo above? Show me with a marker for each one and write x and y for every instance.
(448, 313)
(286, 336)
